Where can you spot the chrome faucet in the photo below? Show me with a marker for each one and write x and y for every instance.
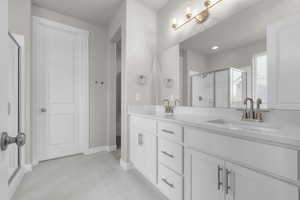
(252, 114)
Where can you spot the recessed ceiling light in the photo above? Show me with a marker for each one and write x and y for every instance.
(215, 48)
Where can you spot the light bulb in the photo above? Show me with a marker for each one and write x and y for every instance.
(174, 23)
(215, 48)
(188, 12)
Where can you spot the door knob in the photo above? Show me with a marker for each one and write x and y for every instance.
(43, 110)
(6, 140)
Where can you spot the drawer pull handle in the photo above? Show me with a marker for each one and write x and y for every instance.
(167, 154)
(220, 184)
(228, 173)
(167, 131)
(167, 182)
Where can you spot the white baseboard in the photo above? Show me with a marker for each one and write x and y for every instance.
(16, 181)
(111, 148)
(100, 149)
(27, 168)
(125, 165)
(95, 150)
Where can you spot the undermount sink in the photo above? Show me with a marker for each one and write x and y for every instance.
(250, 126)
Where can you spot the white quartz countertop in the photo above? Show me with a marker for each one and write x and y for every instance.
(287, 136)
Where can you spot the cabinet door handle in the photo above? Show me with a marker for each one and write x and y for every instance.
(167, 182)
(228, 187)
(140, 139)
(167, 131)
(220, 184)
(168, 154)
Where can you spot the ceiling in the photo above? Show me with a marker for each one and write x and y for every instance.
(155, 4)
(97, 12)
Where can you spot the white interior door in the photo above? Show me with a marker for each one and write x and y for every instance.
(4, 95)
(59, 64)
(13, 105)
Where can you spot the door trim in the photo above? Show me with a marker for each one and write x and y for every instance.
(83, 91)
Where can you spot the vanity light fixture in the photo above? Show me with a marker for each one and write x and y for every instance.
(200, 17)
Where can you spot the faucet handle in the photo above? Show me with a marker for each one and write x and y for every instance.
(177, 101)
(258, 103)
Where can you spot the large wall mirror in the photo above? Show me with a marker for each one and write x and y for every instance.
(223, 73)
(224, 64)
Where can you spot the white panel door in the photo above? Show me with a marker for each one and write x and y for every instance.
(13, 105)
(283, 43)
(248, 185)
(58, 94)
(203, 177)
(4, 95)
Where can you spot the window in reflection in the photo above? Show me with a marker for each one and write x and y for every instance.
(260, 80)
(238, 87)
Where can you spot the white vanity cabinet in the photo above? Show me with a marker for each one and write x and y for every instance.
(222, 167)
(247, 184)
(143, 147)
(190, 163)
(283, 64)
(210, 178)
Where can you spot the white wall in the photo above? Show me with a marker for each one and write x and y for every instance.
(19, 21)
(170, 69)
(98, 71)
(140, 49)
(141, 31)
(237, 57)
(116, 28)
(196, 61)
(138, 32)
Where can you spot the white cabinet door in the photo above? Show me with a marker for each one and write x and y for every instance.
(203, 177)
(248, 185)
(150, 157)
(136, 149)
(283, 44)
(143, 153)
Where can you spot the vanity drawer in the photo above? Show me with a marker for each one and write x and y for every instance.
(171, 155)
(170, 131)
(144, 124)
(170, 183)
(259, 156)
